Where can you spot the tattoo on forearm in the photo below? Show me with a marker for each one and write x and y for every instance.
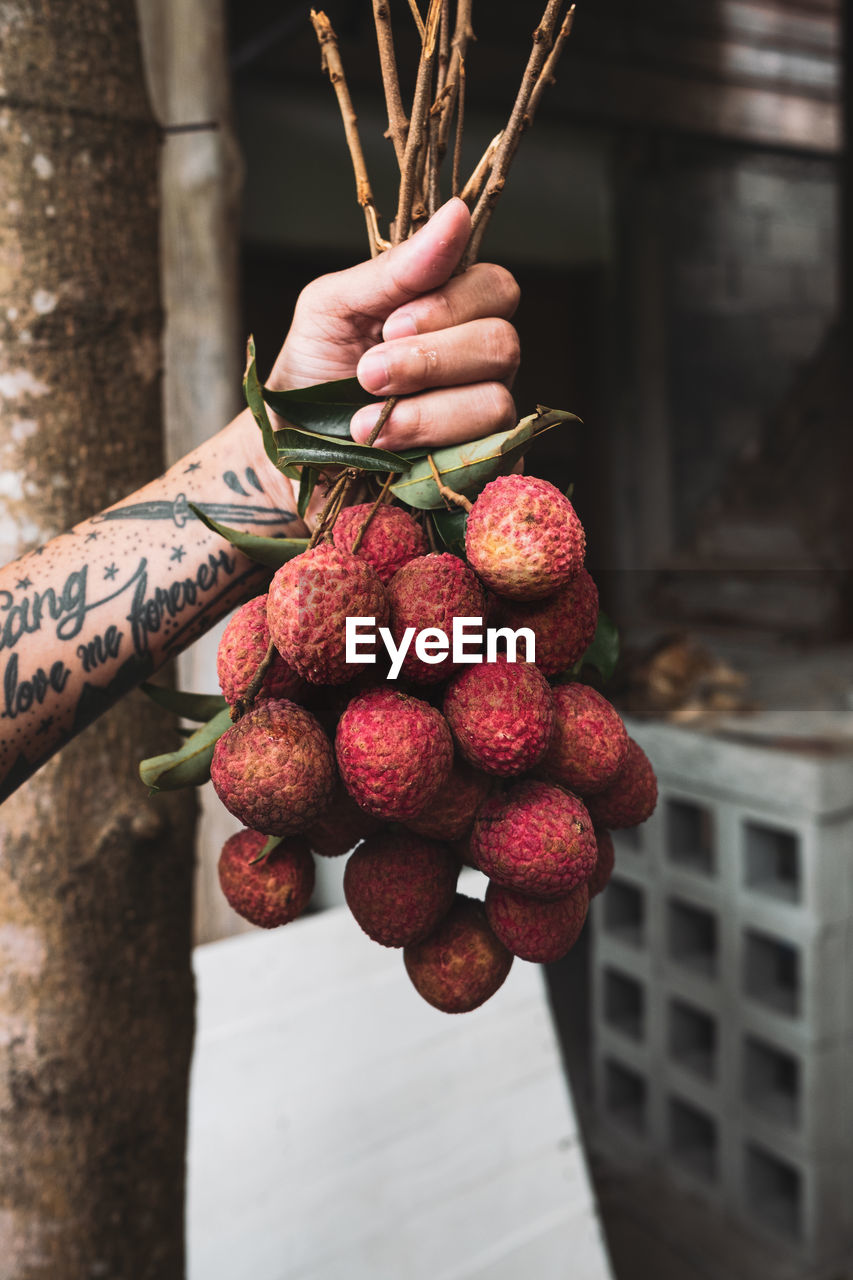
(178, 511)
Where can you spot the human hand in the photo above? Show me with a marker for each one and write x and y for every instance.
(405, 325)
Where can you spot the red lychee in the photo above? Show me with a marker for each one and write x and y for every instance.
(429, 593)
(533, 929)
(501, 715)
(310, 599)
(450, 815)
(535, 838)
(461, 964)
(399, 886)
(589, 743)
(563, 624)
(268, 893)
(341, 826)
(392, 538)
(631, 797)
(241, 650)
(394, 752)
(524, 538)
(600, 877)
(274, 769)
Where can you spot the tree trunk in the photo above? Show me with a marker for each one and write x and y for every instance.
(95, 878)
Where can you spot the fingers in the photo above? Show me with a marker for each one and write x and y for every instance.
(484, 290)
(450, 415)
(372, 290)
(482, 350)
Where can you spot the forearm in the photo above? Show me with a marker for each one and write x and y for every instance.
(98, 609)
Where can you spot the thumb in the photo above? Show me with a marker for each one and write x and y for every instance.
(422, 263)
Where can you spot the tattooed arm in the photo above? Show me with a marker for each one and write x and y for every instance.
(98, 609)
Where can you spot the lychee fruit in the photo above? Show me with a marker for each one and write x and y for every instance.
(341, 826)
(309, 601)
(524, 538)
(461, 964)
(600, 877)
(394, 752)
(535, 838)
(427, 594)
(631, 797)
(268, 893)
(243, 647)
(589, 743)
(274, 769)
(501, 714)
(391, 539)
(534, 929)
(399, 886)
(563, 624)
(450, 815)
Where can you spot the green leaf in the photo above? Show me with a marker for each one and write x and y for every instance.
(271, 845)
(273, 552)
(467, 467)
(307, 481)
(450, 527)
(603, 653)
(295, 446)
(192, 706)
(189, 766)
(327, 407)
(254, 393)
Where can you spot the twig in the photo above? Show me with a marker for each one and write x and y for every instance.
(332, 496)
(244, 704)
(543, 39)
(546, 75)
(474, 185)
(415, 139)
(359, 537)
(398, 124)
(419, 22)
(382, 419)
(449, 495)
(460, 124)
(333, 66)
(443, 50)
(462, 34)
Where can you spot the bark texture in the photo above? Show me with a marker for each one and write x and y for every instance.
(95, 879)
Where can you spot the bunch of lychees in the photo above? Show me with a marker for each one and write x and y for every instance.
(500, 765)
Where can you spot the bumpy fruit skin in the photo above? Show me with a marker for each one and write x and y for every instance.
(272, 892)
(394, 752)
(431, 592)
(275, 769)
(563, 624)
(398, 886)
(461, 964)
(523, 538)
(309, 601)
(241, 650)
(535, 930)
(392, 538)
(501, 715)
(341, 826)
(589, 744)
(534, 838)
(600, 877)
(631, 798)
(450, 815)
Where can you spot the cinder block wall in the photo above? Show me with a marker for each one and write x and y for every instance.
(722, 988)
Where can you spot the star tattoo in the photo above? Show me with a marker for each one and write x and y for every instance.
(178, 554)
(111, 571)
(23, 583)
(45, 724)
(194, 466)
(91, 537)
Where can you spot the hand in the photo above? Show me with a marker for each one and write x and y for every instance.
(405, 325)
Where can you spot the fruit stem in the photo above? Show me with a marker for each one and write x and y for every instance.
(359, 537)
(449, 495)
(382, 419)
(244, 704)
